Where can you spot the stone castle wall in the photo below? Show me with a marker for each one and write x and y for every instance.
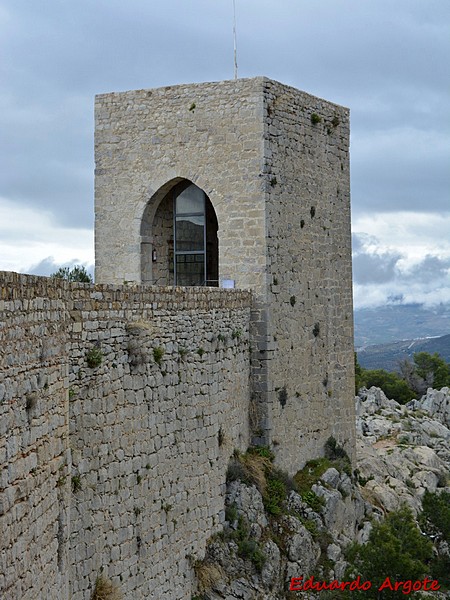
(117, 468)
(34, 447)
(309, 306)
(120, 466)
(274, 161)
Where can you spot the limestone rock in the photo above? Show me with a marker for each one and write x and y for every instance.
(436, 403)
(301, 548)
(402, 451)
(271, 568)
(248, 502)
(331, 477)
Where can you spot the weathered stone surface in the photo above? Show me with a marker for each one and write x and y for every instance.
(402, 451)
(120, 404)
(301, 548)
(280, 188)
(271, 569)
(129, 456)
(390, 473)
(436, 403)
(248, 502)
(331, 477)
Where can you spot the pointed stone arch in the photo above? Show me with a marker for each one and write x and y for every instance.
(179, 243)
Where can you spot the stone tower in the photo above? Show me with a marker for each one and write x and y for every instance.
(243, 184)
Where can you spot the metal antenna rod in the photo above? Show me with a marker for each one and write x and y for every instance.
(234, 40)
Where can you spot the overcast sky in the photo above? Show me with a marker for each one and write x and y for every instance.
(387, 60)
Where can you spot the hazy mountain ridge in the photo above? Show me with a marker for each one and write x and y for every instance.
(394, 322)
(388, 356)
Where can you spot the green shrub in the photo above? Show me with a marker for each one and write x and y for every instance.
(440, 570)
(313, 500)
(275, 496)
(311, 526)
(76, 483)
(231, 513)
(76, 273)
(263, 451)
(94, 357)
(433, 369)
(250, 550)
(392, 385)
(158, 354)
(396, 549)
(237, 472)
(311, 473)
(255, 467)
(436, 513)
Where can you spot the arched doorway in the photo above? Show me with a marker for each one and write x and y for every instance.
(179, 238)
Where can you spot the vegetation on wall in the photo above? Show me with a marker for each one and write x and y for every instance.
(256, 468)
(94, 357)
(104, 589)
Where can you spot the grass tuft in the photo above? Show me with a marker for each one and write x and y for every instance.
(105, 590)
(208, 575)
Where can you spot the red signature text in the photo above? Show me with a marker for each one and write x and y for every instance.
(298, 584)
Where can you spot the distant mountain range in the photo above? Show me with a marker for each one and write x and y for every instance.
(388, 356)
(386, 335)
(395, 322)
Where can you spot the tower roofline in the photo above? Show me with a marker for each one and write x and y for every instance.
(263, 79)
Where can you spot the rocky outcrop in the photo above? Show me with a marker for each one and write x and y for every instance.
(436, 403)
(402, 452)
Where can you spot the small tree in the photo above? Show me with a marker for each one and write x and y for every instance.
(76, 273)
(435, 522)
(414, 381)
(392, 385)
(427, 370)
(433, 369)
(396, 549)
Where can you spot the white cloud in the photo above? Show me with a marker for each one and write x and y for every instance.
(29, 236)
(413, 235)
(373, 295)
(406, 257)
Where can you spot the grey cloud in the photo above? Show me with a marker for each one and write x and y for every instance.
(375, 268)
(432, 268)
(374, 265)
(384, 179)
(383, 59)
(48, 265)
(361, 240)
